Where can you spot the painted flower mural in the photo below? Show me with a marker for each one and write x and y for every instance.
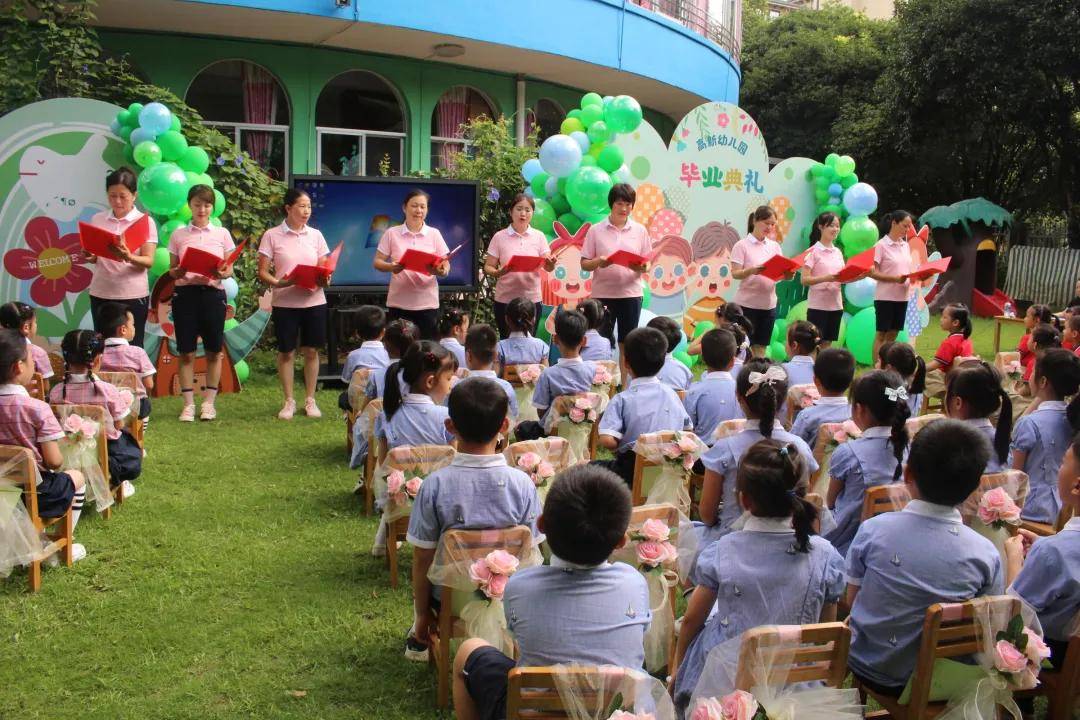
(50, 260)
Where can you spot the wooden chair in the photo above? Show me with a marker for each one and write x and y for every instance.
(58, 530)
(555, 450)
(818, 501)
(824, 447)
(371, 412)
(101, 416)
(796, 394)
(1062, 688)
(422, 459)
(57, 362)
(446, 623)
(613, 368)
(562, 405)
(358, 399)
(526, 410)
(949, 631)
(638, 491)
(881, 499)
(820, 655)
(128, 381)
(1045, 529)
(915, 424)
(681, 394)
(531, 693)
(38, 388)
(1015, 481)
(727, 428)
(669, 515)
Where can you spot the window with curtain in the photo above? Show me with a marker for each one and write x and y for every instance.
(457, 106)
(548, 116)
(360, 125)
(247, 103)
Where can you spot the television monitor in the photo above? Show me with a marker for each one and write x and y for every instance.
(358, 210)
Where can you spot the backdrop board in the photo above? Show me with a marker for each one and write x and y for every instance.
(357, 211)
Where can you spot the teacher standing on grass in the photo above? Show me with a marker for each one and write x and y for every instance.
(297, 311)
(617, 287)
(757, 293)
(122, 279)
(413, 295)
(517, 240)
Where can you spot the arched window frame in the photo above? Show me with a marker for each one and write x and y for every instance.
(438, 142)
(363, 136)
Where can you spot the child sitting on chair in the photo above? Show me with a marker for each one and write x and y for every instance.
(597, 347)
(453, 325)
(901, 563)
(803, 340)
(902, 359)
(673, 374)
(579, 610)
(834, 370)
(23, 318)
(121, 356)
(568, 376)
(711, 400)
(521, 348)
(646, 406)
(371, 355)
(480, 344)
(82, 351)
(772, 572)
(478, 490)
(400, 335)
(974, 393)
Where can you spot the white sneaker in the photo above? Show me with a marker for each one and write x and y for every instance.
(209, 412)
(288, 410)
(188, 413)
(126, 489)
(378, 551)
(78, 552)
(311, 409)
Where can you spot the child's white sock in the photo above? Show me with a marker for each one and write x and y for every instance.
(380, 534)
(189, 396)
(209, 394)
(77, 506)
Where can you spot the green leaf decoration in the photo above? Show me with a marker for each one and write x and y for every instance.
(967, 211)
(615, 704)
(1016, 627)
(49, 325)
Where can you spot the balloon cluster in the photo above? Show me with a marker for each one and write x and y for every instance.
(837, 189)
(570, 180)
(167, 167)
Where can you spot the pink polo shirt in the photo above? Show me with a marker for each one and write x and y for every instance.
(411, 290)
(212, 239)
(755, 292)
(286, 249)
(506, 244)
(116, 279)
(26, 421)
(824, 260)
(892, 257)
(80, 390)
(121, 356)
(604, 240)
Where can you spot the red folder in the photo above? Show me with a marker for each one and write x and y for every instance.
(419, 261)
(203, 262)
(858, 265)
(929, 269)
(778, 266)
(307, 276)
(625, 257)
(99, 241)
(524, 263)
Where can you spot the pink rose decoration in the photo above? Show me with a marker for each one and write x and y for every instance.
(529, 373)
(655, 530)
(583, 403)
(624, 715)
(739, 705)
(577, 415)
(688, 462)
(413, 486)
(708, 709)
(997, 506)
(496, 587)
(394, 482)
(479, 572)
(687, 444)
(654, 554)
(1007, 658)
(545, 469)
(73, 424)
(591, 416)
(1036, 650)
(501, 562)
(602, 376)
(126, 397)
(529, 460)
(672, 452)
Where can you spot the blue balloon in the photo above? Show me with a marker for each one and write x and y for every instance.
(861, 199)
(114, 127)
(582, 140)
(560, 155)
(551, 187)
(141, 134)
(530, 168)
(156, 118)
(861, 292)
(231, 288)
(836, 189)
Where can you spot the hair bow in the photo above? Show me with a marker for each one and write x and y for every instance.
(770, 376)
(895, 394)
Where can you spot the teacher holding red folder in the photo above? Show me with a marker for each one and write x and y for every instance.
(824, 303)
(296, 311)
(413, 294)
(524, 245)
(617, 282)
(123, 278)
(198, 306)
(757, 293)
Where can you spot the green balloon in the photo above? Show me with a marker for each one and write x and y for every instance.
(843, 330)
(125, 132)
(575, 113)
(231, 323)
(243, 372)
(205, 179)
(543, 216)
(192, 179)
(858, 234)
(599, 132)
(172, 144)
(703, 327)
(195, 160)
(596, 148)
(588, 161)
(830, 160)
(183, 214)
(123, 118)
(611, 158)
(591, 98)
(570, 221)
(845, 165)
(570, 125)
(174, 124)
(646, 296)
(817, 169)
(779, 330)
(684, 358)
(133, 112)
(592, 114)
(777, 352)
(537, 184)
(147, 153)
(163, 188)
(797, 312)
(587, 190)
(129, 155)
(161, 261)
(848, 180)
(561, 184)
(219, 204)
(622, 114)
(821, 195)
(860, 335)
(559, 203)
(167, 230)
(216, 222)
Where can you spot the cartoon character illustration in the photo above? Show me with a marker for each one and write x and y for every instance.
(671, 269)
(239, 341)
(63, 186)
(711, 247)
(918, 314)
(567, 284)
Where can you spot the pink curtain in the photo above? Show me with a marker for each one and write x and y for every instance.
(260, 106)
(451, 112)
(530, 121)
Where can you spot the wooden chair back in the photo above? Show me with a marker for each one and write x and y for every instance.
(824, 447)
(818, 501)
(555, 450)
(420, 459)
(727, 428)
(57, 530)
(638, 491)
(819, 654)
(531, 693)
(915, 424)
(613, 368)
(128, 381)
(1016, 482)
(57, 362)
(681, 394)
(881, 499)
(101, 416)
(370, 412)
(562, 405)
(510, 375)
(38, 388)
(1062, 688)
(357, 390)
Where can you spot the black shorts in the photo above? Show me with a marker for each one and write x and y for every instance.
(309, 323)
(623, 313)
(144, 407)
(199, 312)
(827, 322)
(486, 678)
(763, 321)
(125, 458)
(54, 493)
(425, 320)
(891, 315)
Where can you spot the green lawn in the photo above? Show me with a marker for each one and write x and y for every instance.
(236, 583)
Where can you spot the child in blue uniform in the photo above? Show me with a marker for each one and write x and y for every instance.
(480, 343)
(1042, 436)
(772, 572)
(974, 393)
(834, 369)
(711, 400)
(453, 326)
(901, 563)
(568, 376)
(400, 335)
(802, 342)
(371, 355)
(902, 359)
(597, 347)
(521, 348)
(673, 374)
(879, 407)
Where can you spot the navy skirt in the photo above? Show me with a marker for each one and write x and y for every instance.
(54, 494)
(125, 458)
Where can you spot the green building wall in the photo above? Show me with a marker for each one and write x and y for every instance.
(173, 61)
